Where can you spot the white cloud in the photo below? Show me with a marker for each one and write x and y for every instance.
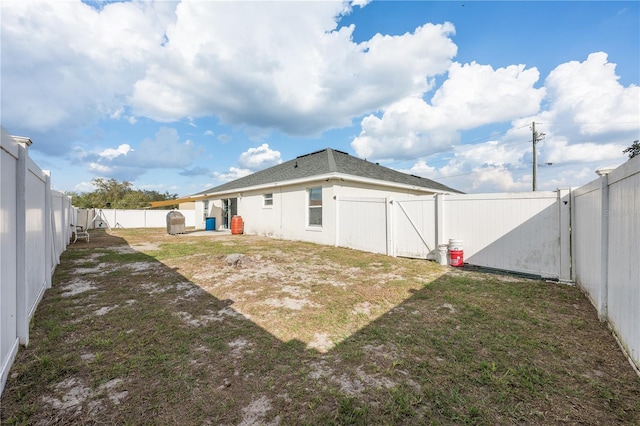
(421, 168)
(259, 158)
(588, 121)
(473, 95)
(233, 174)
(360, 3)
(111, 153)
(284, 65)
(165, 151)
(100, 169)
(84, 187)
(208, 133)
(65, 64)
(587, 96)
(560, 151)
(591, 117)
(489, 166)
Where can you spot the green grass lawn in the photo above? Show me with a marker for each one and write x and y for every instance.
(142, 327)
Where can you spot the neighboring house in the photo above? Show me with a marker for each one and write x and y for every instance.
(297, 199)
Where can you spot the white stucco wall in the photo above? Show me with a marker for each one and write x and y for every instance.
(287, 218)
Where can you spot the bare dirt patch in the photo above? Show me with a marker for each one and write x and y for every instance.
(142, 327)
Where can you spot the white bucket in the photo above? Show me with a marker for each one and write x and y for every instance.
(455, 244)
(442, 254)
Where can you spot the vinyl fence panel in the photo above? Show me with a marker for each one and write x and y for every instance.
(587, 241)
(623, 270)
(362, 224)
(8, 255)
(34, 231)
(606, 255)
(117, 218)
(37, 252)
(517, 232)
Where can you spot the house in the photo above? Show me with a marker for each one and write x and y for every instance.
(297, 199)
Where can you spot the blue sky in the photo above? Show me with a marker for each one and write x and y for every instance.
(183, 96)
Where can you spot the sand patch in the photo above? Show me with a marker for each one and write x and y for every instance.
(289, 303)
(208, 318)
(89, 258)
(363, 308)
(77, 286)
(449, 307)
(141, 266)
(145, 247)
(109, 388)
(239, 346)
(256, 411)
(74, 395)
(321, 342)
(190, 290)
(295, 291)
(153, 288)
(96, 269)
(105, 310)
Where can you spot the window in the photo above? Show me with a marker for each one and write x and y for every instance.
(268, 200)
(315, 206)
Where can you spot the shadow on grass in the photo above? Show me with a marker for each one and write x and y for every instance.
(123, 338)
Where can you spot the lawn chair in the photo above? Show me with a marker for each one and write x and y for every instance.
(78, 231)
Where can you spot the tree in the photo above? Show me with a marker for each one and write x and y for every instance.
(110, 193)
(633, 150)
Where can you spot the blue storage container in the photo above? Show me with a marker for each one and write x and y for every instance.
(210, 224)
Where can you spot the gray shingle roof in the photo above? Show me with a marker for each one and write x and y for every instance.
(325, 162)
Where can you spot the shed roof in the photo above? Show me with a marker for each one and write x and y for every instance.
(327, 161)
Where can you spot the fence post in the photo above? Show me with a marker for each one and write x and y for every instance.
(22, 315)
(603, 298)
(564, 203)
(391, 247)
(337, 221)
(51, 254)
(439, 220)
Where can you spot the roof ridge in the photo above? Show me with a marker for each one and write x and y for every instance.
(332, 162)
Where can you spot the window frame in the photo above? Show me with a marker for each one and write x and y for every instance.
(267, 200)
(310, 192)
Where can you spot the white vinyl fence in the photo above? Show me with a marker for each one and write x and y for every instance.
(35, 230)
(114, 218)
(519, 232)
(606, 250)
(590, 235)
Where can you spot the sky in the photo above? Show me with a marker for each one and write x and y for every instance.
(182, 96)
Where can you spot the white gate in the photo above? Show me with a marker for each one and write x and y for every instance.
(414, 227)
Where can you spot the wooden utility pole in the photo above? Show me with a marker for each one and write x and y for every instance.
(536, 137)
